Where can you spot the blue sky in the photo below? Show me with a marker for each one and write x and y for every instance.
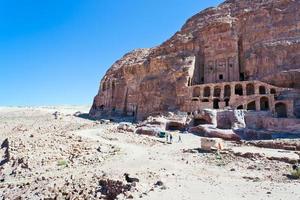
(55, 52)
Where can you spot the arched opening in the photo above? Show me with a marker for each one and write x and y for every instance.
(264, 103)
(226, 102)
(101, 107)
(239, 90)
(240, 107)
(195, 99)
(262, 90)
(227, 91)
(250, 89)
(242, 76)
(217, 91)
(205, 100)
(206, 92)
(103, 86)
(281, 110)
(273, 91)
(251, 106)
(196, 92)
(113, 86)
(216, 104)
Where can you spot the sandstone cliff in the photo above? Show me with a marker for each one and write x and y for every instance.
(238, 40)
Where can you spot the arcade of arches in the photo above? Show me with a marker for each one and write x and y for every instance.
(248, 95)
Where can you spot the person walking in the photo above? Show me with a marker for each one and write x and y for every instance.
(171, 138)
(179, 139)
(167, 137)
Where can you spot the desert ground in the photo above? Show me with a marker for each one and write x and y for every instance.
(53, 153)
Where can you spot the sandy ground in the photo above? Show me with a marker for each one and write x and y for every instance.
(54, 154)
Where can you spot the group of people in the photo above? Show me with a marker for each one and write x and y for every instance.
(169, 138)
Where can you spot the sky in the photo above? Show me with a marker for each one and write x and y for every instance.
(55, 52)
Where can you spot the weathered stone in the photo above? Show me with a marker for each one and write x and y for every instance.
(208, 144)
(147, 130)
(211, 131)
(4, 152)
(205, 116)
(176, 125)
(126, 127)
(241, 55)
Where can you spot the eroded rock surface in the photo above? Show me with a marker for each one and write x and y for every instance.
(236, 41)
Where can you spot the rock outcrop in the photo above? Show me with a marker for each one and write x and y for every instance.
(240, 40)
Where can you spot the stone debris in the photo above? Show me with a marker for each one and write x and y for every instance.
(78, 158)
(148, 130)
(127, 127)
(111, 189)
(208, 144)
(4, 156)
(293, 145)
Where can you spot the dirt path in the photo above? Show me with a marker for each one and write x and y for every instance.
(184, 180)
(92, 149)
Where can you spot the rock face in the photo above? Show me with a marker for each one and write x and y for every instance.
(240, 40)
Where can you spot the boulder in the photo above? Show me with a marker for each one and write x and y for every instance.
(128, 127)
(224, 134)
(211, 131)
(176, 125)
(207, 144)
(160, 122)
(231, 119)
(148, 130)
(206, 116)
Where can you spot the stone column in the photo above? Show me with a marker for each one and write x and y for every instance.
(256, 87)
(201, 92)
(290, 110)
(244, 89)
(257, 104)
(222, 92)
(232, 86)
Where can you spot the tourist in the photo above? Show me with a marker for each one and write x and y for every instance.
(179, 139)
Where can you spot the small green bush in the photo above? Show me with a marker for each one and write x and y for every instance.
(62, 163)
(296, 173)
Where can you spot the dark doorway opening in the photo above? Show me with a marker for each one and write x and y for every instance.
(217, 91)
(206, 92)
(262, 90)
(227, 102)
(240, 107)
(264, 104)
(239, 90)
(101, 107)
(281, 110)
(250, 89)
(227, 91)
(242, 76)
(216, 104)
(273, 91)
(251, 106)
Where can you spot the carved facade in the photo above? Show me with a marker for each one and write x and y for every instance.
(241, 55)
